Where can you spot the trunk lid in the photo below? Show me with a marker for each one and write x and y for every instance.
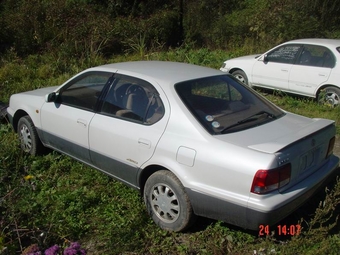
(296, 140)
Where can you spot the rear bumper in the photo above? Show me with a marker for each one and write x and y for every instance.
(296, 196)
(279, 206)
(264, 209)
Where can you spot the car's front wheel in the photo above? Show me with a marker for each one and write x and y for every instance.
(167, 203)
(330, 96)
(241, 76)
(29, 139)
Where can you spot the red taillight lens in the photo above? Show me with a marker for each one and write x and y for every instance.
(330, 147)
(269, 180)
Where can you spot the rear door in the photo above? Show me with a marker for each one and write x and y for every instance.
(125, 133)
(312, 68)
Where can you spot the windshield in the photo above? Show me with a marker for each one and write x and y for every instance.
(224, 105)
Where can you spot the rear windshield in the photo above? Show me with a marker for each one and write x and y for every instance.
(223, 105)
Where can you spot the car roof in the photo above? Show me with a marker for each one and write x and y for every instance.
(161, 71)
(322, 41)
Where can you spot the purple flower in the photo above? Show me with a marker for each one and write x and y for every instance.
(74, 249)
(75, 245)
(52, 250)
(70, 251)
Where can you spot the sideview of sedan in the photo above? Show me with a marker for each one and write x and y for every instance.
(308, 67)
(192, 140)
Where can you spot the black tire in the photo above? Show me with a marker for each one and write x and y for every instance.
(29, 139)
(167, 203)
(329, 96)
(241, 76)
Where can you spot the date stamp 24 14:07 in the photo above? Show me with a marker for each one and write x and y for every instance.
(281, 230)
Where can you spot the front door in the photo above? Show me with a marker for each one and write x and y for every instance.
(65, 122)
(272, 69)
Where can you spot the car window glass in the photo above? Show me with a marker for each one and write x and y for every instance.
(221, 102)
(314, 55)
(133, 99)
(83, 92)
(283, 54)
(214, 90)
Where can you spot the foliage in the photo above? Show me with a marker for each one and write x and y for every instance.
(90, 28)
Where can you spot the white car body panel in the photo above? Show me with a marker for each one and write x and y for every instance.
(67, 125)
(272, 73)
(307, 79)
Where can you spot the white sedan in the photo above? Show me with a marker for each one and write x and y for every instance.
(308, 67)
(192, 140)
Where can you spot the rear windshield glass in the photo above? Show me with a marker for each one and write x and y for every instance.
(223, 105)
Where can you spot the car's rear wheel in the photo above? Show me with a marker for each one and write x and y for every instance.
(241, 76)
(330, 96)
(167, 203)
(29, 139)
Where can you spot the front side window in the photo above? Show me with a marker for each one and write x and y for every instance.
(133, 99)
(224, 105)
(83, 92)
(284, 54)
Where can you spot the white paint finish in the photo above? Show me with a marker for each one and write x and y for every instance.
(124, 140)
(68, 123)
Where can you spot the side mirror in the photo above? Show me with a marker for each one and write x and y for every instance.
(52, 97)
(265, 58)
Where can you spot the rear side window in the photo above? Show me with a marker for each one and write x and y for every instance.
(134, 100)
(318, 56)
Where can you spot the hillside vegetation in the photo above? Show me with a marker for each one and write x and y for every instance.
(53, 200)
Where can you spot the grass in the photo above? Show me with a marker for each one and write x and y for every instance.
(53, 199)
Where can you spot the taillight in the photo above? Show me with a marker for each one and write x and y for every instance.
(330, 147)
(268, 180)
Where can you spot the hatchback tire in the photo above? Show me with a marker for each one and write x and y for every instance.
(241, 76)
(330, 96)
(167, 202)
(28, 136)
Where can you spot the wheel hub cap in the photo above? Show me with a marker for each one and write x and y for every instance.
(164, 203)
(332, 99)
(25, 137)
